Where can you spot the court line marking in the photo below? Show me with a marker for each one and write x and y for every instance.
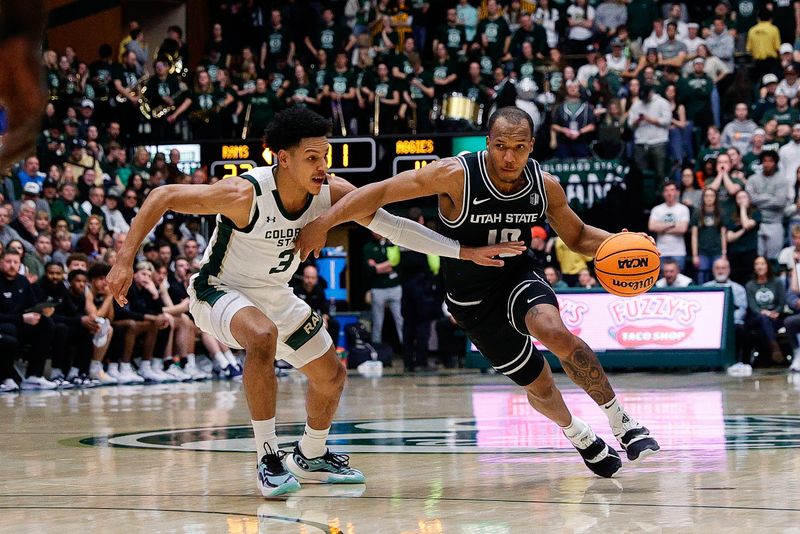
(378, 497)
(320, 526)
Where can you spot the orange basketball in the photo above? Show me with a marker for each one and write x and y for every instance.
(627, 264)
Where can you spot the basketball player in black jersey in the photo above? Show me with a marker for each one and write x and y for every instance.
(496, 196)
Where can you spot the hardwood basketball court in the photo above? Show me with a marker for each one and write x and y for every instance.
(451, 453)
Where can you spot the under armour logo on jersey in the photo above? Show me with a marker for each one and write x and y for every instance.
(269, 219)
(535, 199)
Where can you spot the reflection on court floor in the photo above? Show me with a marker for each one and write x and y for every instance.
(459, 453)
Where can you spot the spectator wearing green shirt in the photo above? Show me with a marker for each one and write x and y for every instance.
(783, 116)
(263, 104)
(380, 260)
(708, 231)
(553, 277)
(496, 31)
(713, 147)
(766, 298)
(418, 97)
(452, 35)
(340, 88)
(725, 184)
(742, 234)
(695, 93)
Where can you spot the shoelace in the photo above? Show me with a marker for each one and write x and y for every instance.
(273, 459)
(339, 461)
(585, 438)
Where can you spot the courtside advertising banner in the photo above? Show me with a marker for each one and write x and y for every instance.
(653, 321)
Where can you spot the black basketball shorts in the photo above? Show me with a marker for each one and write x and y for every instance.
(496, 325)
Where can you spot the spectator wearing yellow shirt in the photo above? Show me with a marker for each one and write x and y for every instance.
(132, 25)
(571, 262)
(763, 43)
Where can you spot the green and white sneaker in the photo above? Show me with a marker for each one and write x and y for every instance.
(330, 468)
(273, 478)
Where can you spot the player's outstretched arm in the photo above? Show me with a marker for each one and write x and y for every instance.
(415, 236)
(576, 234)
(439, 177)
(232, 198)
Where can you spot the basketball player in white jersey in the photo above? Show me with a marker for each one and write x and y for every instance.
(495, 195)
(241, 294)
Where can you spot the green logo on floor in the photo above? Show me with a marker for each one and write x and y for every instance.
(489, 435)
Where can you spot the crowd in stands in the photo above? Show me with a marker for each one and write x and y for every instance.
(701, 95)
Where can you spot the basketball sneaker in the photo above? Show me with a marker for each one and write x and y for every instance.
(795, 366)
(634, 438)
(273, 477)
(600, 458)
(128, 376)
(331, 468)
(96, 373)
(37, 382)
(195, 372)
(62, 383)
(113, 370)
(740, 369)
(178, 374)
(8, 385)
(231, 372)
(85, 381)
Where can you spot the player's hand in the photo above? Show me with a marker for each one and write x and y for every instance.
(486, 255)
(88, 322)
(649, 238)
(119, 281)
(312, 238)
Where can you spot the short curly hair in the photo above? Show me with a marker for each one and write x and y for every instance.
(291, 126)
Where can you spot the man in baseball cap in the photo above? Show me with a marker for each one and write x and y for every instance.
(31, 190)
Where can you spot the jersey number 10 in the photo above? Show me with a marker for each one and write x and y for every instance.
(506, 235)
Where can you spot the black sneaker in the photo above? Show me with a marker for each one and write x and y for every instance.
(600, 458)
(637, 442)
(273, 477)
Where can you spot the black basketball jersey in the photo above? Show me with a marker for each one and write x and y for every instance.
(488, 217)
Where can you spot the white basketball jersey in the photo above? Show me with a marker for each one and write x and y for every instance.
(262, 254)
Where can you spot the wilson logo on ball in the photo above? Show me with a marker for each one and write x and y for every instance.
(633, 284)
(632, 263)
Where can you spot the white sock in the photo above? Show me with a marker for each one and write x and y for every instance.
(312, 444)
(221, 360)
(95, 366)
(231, 358)
(575, 427)
(56, 373)
(113, 367)
(190, 359)
(266, 439)
(613, 410)
(144, 365)
(125, 367)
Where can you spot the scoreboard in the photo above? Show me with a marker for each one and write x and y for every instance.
(359, 159)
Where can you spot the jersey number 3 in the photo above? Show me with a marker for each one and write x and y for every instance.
(287, 256)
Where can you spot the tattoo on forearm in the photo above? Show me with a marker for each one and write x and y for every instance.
(583, 368)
